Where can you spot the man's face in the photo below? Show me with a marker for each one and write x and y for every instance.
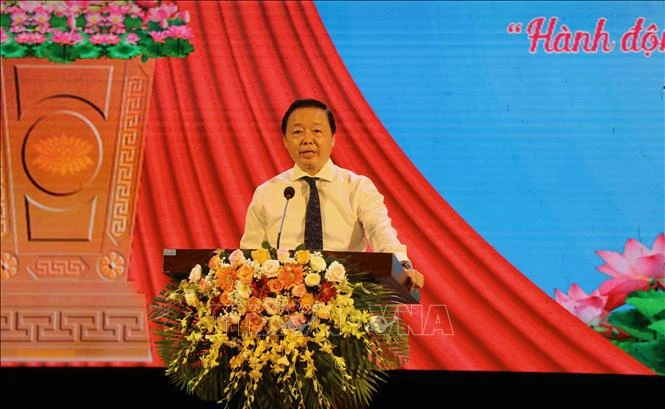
(309, 139)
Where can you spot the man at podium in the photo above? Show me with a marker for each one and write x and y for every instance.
(317, 202)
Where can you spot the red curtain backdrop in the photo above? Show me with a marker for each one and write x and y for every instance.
(214, 135)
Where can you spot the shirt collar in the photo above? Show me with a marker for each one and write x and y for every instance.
(326, 173)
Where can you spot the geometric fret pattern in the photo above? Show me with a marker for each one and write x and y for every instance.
(128, 155)
(67, 325)
(45, 267)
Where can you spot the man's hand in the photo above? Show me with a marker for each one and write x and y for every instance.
(412, 279)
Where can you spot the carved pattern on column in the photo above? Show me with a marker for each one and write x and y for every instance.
(111, 265)
(72, 325)
(128, 155)
(8, 265)
(58, 267)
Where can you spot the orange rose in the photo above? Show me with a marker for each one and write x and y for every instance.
(253, 322)
(272, 306)
(254, 305)
(299, 290)
(213, 262)
(275, 286)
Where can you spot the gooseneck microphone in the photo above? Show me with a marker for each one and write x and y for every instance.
(289, 192)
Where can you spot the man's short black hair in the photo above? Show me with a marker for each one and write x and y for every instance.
(308, 103)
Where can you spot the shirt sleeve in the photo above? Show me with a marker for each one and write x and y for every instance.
(373, 215)
(255, 225)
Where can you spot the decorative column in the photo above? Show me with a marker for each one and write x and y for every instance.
(72, 144)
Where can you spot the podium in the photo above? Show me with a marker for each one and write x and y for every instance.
(383, 268)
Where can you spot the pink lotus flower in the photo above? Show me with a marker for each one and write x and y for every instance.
(115, 19)
(66, 37)
(162, 14)
(590, 308)
(132, 38)
(3, 35)
(19, 17)
(158, 36)
(41, 17)
(183, 32)
(29, 6)
(30, 38)
(93, 19)
(638, 268)
(97, 39)
(134, 11)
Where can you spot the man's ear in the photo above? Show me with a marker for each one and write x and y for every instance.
(333, 141)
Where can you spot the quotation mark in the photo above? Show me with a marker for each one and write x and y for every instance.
(514, 28)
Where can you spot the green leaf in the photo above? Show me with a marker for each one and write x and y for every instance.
(648, 303)
(186, 48)
(58, 52)
(88, 50)
(154, 26)
(659, 327)
(5, 21)
(177, 47)
(59, 23)
(12, 49)
(633, 323)
(151, 49)
(124, 51)
(80, 21)
(650, 353)
(300, 247)
(132, 23)
(171, 47)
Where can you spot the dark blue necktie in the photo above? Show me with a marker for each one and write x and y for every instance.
(313, 227)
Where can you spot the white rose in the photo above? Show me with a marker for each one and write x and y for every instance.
(195, 274)
(317, 263)
(312, 279)
(271, 268)
(336, 272)
(237, 258)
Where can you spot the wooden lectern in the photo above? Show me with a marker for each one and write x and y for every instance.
(384, 268)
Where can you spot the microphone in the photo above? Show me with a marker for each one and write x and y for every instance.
(289, 192)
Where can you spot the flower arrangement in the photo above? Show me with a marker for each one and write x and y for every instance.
(63, 31)
(274, 328)
(629, 308)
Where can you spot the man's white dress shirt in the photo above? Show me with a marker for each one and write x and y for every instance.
(353, 214)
